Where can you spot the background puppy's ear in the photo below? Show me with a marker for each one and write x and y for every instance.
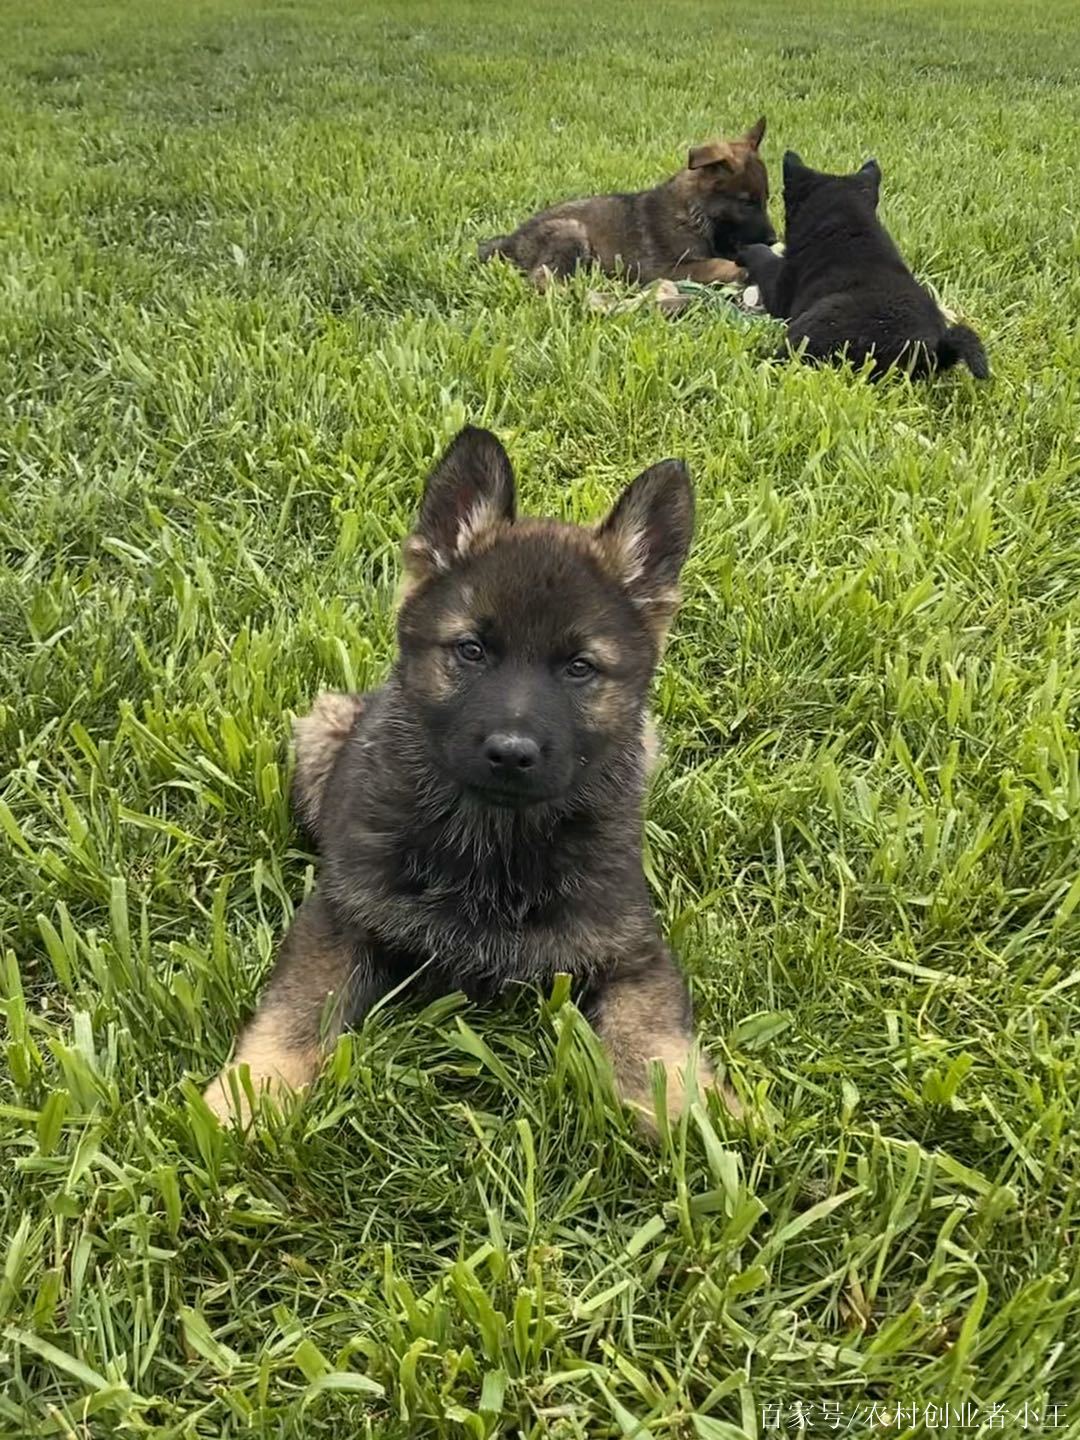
(870, 175)
(646, 537)
(756, 133)
(470, 490)
(715, 152)
(799, 179)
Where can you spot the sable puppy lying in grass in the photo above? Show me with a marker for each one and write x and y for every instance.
(479, 817)
(843, 286)
(689, 228)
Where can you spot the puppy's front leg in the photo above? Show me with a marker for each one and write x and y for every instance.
(765, 269)
(642, 1013)
(708, 272)
(323, 979)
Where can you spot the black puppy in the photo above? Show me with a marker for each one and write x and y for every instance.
(843, 286)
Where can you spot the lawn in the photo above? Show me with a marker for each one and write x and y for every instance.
(240, 313)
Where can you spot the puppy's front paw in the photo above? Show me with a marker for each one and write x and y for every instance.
(721, 272)
(732, 1104)
(749, 253)
(219, 1097)
(279, 1082)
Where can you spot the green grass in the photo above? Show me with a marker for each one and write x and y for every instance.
(239, 314)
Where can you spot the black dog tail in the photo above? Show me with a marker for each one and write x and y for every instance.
(961, 343)
(495, 246)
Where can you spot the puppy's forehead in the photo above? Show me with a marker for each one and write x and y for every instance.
(540, 558)
(541, 577)
(713, 150)
(736, 152)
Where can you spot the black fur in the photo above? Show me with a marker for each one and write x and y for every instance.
(843, 286)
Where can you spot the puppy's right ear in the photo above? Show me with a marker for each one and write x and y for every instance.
(468, 494)
(756, 133)
(793, 164)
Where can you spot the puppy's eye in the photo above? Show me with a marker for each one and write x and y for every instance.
(579, 669)
(470, 650)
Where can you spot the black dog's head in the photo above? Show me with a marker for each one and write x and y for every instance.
(726, 181)
(813, 189)
(527, 646)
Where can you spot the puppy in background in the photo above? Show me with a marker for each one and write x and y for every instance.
(689, 228)
(843, 286)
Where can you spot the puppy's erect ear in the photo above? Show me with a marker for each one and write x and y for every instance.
(469, 492)
(799, 179)
(756, 133)
(714, 152)
(645, 539)
(870, 175)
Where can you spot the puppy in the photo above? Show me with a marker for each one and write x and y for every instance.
(689, 228)
(843, 286)
(479, 817)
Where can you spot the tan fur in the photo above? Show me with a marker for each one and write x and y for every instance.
(603, 652)
(479, 530)
(641, 1021)
(438, 677)
(317, 738)
(476, 529)
(653, 746)
(299, 1017)
(660, 611)
(419, 563)
(605, 703)
(713, 152)
(708, 272)
(620, 552)
(452, 626)
(276, 1069)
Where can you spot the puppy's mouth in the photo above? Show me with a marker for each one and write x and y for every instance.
(506, 795)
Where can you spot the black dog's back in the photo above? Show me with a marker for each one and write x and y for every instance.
(843, 285)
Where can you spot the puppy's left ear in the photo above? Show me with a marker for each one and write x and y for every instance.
(756, 133)
(645, 539)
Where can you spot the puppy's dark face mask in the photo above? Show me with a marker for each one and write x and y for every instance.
(527, 646)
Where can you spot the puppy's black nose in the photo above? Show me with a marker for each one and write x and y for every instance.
(509, 752)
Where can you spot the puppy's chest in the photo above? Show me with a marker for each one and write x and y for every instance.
(487, 915)
(489, 886)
